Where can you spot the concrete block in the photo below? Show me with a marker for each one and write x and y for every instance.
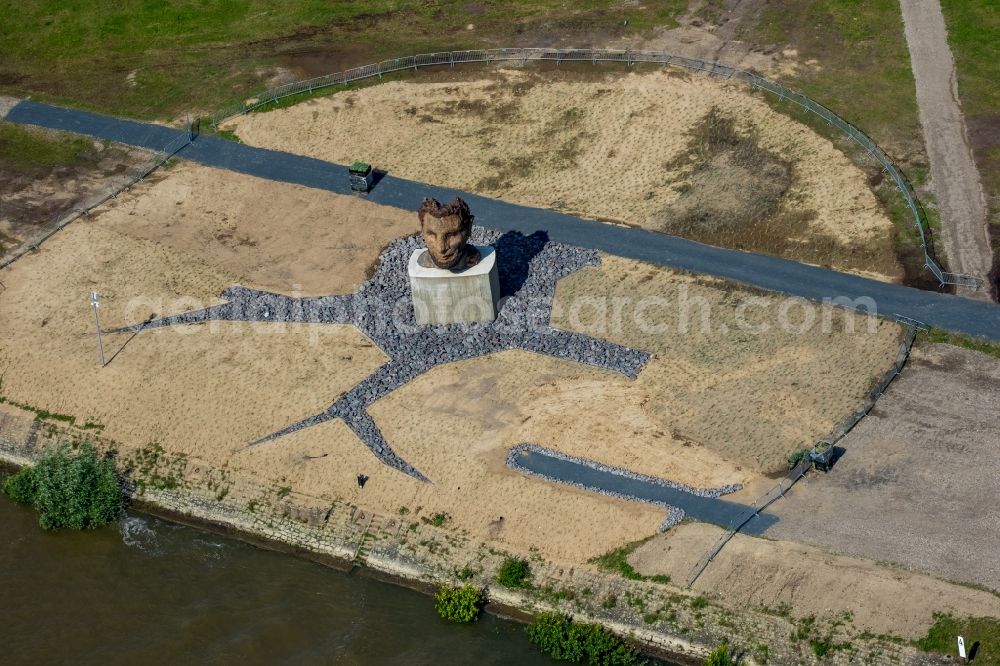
(442, 296)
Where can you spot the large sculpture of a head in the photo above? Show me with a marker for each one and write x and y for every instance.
(446, 231)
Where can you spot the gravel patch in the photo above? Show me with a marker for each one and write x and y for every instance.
(6, 104)
(529, 268)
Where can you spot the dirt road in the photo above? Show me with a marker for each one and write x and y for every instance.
(953, 171)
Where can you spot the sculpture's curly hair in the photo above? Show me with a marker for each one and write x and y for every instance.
(457, 207)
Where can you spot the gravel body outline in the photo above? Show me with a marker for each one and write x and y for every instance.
(382, 309)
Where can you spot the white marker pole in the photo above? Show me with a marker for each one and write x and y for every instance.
(95, 301)
(961, 648)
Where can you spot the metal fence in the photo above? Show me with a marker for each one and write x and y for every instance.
(759, 505)
(521, 56)
(852, 419)
(115, 187)
(842, 428)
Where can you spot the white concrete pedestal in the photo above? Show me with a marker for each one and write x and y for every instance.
(442, 296)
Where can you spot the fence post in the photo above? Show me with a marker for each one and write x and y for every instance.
(95, 303)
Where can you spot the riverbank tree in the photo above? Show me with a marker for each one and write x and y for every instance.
(72, 489)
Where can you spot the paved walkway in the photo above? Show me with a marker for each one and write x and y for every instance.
(719, 512)
(771, 273)
(954, 176)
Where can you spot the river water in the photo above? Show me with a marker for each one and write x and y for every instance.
(146, 591)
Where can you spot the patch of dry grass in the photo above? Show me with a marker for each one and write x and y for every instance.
(707, 411)
(746, 387)
(656, 150)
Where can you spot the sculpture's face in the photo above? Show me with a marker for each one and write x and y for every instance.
(446, 239)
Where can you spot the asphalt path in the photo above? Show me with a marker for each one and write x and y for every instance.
(706, 509)
(946, 311)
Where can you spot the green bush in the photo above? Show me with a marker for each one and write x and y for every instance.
(820, 647)
(514, 572)
(794, 458)
(617, 560)
(465, 573)
(562, 639)
(22, 487)
(75, 490)
(459, 604)
(720, 656)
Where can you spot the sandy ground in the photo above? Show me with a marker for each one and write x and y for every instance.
(455, 424)
(749, 389)
(172, 245)
(755, 573)
(176, 242)
(597, 148)
(205, 391)
(6, 104)
(917, 484)
(955, 178)
(273, 236)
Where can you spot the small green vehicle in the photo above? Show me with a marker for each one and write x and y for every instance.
(821, 456)
(361, 176)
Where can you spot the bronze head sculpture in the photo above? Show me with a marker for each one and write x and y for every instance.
(446, 231)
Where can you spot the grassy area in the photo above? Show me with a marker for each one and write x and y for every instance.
(155, 59)
(862, 69)
(943, 637)
(25, 148)
(617, 561)
(937, 335)
(974, 37)
(909, 251)
(37, 163)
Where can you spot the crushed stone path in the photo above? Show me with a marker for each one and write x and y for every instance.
(954, 176)
(946, 311)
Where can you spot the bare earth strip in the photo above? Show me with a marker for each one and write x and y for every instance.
(953, 169)
(753, 573)
(917, 484)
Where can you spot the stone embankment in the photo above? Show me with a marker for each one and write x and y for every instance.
(424, 552)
